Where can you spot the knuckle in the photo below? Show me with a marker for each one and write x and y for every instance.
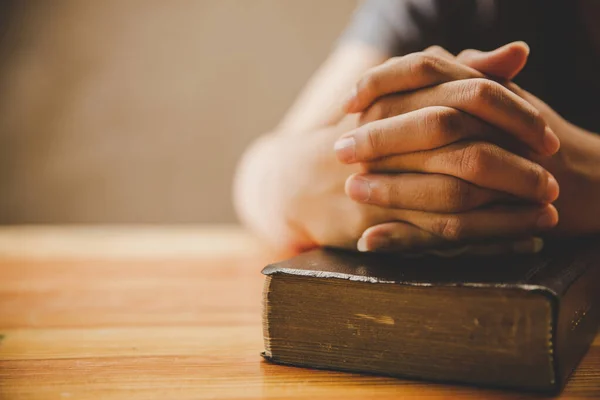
(462, 53)
(486, 91)
(534, 117)
(476, 159)
(434, 49)
(473, 159)
(392, 60)
(482, 90)
(427, 65)
(370, 83)
(376, 141)
(388, 194)
(458, 195)
(448, 120)
(450, 228)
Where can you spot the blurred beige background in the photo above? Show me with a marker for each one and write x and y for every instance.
(136, 111)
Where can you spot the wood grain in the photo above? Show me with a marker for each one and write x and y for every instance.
(83, 319)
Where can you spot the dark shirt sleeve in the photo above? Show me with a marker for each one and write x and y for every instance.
(399, 27)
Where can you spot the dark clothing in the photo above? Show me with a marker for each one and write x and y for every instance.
(564, 65)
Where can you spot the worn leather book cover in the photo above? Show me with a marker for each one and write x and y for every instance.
(509, 321)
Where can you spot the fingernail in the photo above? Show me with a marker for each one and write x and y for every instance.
(350, 101)
(345, 149)
(551, 142)
(358, 189)
(552, 189)
(546, 220)
(538, 244)
(374, 243)
(362, 245)
(531, 246)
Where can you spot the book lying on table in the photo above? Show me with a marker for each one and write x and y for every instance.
(511, 321)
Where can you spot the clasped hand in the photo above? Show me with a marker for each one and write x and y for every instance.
(454, 153)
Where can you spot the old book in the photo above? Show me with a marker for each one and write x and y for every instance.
(520, 321)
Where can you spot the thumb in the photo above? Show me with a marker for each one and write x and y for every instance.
(505, 62)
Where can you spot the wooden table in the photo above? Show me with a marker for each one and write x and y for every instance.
(164, 313)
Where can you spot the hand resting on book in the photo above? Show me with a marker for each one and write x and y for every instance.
(455, 156)
(437, 136)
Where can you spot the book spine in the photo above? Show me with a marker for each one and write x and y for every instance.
(577, 321)
(266, 309)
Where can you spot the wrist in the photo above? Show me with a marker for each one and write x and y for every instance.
(261, 192)
(314, 184)
(577, 169)
(284, 183)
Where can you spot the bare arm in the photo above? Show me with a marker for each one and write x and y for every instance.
(278, 164)
(291, 189)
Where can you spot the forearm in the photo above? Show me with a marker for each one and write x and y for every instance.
(577, 169)
(279, 167)
(260, 196)
(580, 182)
(274, 173)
